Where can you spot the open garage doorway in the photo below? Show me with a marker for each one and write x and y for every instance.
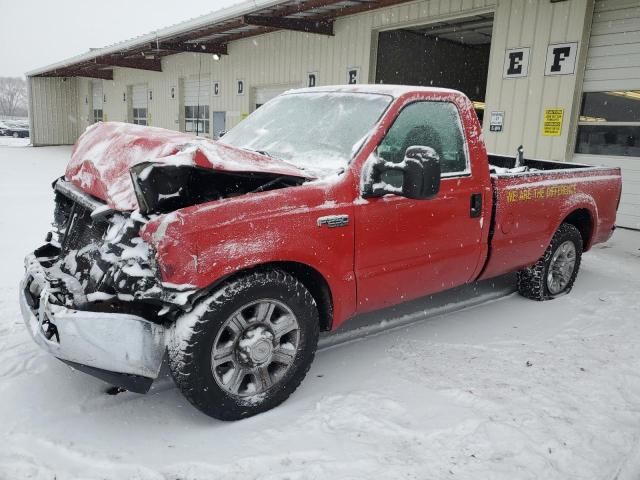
(452, 54)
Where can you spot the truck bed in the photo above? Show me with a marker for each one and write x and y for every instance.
(508, 162)
(530, 203)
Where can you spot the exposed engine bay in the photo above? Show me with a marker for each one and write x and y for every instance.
(163, 188)
(96, 260)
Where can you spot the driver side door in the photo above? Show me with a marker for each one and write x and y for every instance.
(407, 248)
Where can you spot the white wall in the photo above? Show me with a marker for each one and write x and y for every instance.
(54, 110)
(613, 61)
(284, 58)
(280, 58)
(535, 24)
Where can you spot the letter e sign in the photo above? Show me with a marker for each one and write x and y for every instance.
(516, 62)
(353, 75)
(561, 59)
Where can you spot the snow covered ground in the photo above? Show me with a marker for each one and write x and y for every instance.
(510, 389)
(14, 142)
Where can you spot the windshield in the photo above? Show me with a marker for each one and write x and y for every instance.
(317, 132)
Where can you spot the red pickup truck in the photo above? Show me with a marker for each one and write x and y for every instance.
(231, 256)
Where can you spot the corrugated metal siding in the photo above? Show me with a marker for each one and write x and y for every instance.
(161, 109)
(629, 210)
(85, 104)
(264, 94)
(96, 94)
(278, 59)
(196, 91)
(284, 58)
(523, 23)
(613, 61)
(139, 99)
(55, 110)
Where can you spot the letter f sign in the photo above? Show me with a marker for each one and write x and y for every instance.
(561, 59)
(559, 55)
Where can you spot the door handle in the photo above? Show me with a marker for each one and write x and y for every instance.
(476, 205)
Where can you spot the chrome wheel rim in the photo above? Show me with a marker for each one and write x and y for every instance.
(255, 347)
(561, 267)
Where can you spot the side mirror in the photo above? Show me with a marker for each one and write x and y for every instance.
(420, 172)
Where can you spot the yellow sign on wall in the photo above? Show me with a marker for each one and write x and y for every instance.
(552, 126)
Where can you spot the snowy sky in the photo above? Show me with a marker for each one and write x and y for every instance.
(34, 33)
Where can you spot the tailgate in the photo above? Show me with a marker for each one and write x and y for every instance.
(529, 208)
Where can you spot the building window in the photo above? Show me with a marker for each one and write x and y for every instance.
(97, 115)
(609, 124)
(196, 119)
(140, 116)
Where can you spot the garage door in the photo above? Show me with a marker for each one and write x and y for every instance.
(609, 124)
(97, 100)
(264, 94)
(196, 106)
(139, 104)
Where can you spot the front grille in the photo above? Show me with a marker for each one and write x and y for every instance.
(32, 295)
(81, 229)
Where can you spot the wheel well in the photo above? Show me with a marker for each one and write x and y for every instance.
(317, 286)
(310, 278)
(581, 219)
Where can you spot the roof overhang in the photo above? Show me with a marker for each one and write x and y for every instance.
(210, 34)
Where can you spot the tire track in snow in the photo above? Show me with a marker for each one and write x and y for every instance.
(548, 417)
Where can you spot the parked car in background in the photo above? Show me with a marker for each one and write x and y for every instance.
(13, 128)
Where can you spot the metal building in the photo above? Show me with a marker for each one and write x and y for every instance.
(561, 77)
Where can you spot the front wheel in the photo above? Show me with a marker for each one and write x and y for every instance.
(247, 347)
(555, 272)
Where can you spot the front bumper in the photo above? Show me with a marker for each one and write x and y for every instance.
(112, 345)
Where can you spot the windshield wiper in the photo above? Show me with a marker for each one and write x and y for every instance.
(261, 152)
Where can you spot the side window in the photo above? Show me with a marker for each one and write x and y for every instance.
(429, 124)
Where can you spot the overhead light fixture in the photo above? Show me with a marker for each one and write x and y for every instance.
(216, 57)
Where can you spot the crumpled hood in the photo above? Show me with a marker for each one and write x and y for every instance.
(105, 152)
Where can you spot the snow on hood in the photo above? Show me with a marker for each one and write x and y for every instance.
(104, 153)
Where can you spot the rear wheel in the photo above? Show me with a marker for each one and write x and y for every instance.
(555, 272)
(247, 347)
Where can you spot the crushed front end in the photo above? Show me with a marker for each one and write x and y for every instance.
(92, 295)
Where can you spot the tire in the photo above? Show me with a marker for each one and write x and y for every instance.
(15, 135)
(248, 375)
(536, 282)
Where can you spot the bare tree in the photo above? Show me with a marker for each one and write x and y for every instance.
(13, 95)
